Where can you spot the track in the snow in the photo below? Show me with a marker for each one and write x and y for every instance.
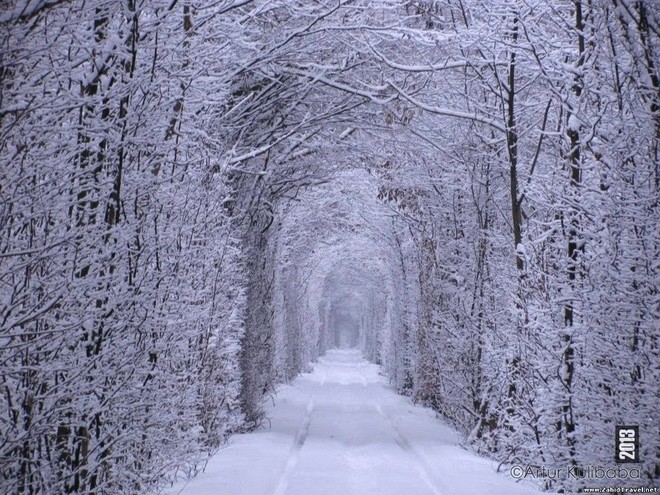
(292, 461)
(341, 430)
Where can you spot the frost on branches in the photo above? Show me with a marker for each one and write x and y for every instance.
(198, 199)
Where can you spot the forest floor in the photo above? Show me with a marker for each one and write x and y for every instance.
(342, 430)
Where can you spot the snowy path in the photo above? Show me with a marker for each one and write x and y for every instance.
(341, 430)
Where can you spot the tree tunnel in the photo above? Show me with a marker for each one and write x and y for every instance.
(199, 199)
(335, 280)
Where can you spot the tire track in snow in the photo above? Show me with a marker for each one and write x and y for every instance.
(294, 453)
(402, 441)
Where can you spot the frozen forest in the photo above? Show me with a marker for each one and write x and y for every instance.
(199, 199)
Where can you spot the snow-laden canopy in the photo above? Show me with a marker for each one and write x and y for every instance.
(199, 199)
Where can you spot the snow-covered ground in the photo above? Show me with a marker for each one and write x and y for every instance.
(341, 430)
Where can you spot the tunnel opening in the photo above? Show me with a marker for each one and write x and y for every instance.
(337, 275)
